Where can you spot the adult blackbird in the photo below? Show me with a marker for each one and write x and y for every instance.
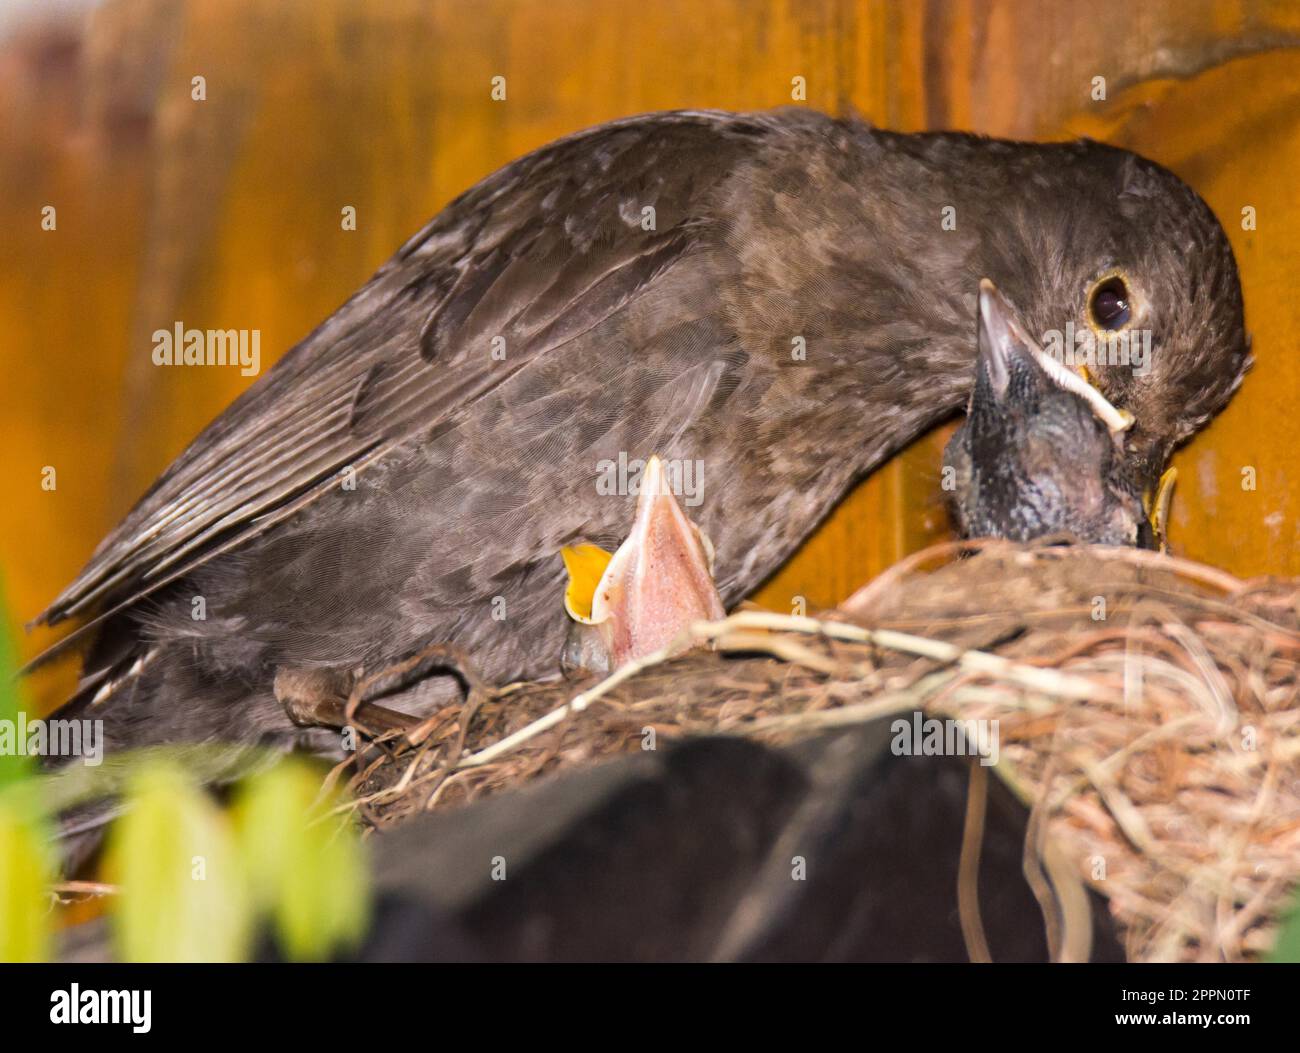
(776, 301)
(1039, 452)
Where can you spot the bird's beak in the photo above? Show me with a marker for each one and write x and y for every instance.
(658, 582)
(1002, 338)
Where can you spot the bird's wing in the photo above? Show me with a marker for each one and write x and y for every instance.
(536, 255)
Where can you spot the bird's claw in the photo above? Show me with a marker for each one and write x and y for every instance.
(329, 698)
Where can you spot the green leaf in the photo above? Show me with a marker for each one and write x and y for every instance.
(308, 869)
(14, 766)
(184, 892)
(26, 862)
(1287, 948)
(26, 869)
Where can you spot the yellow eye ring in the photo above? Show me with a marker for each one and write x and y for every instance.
(1111, 303)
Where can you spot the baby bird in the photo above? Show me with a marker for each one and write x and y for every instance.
(1041, 452)
(640, 599)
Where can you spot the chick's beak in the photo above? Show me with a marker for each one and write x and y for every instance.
(1003, 338)
(656, 584)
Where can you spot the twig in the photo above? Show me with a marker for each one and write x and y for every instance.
(1047, 681)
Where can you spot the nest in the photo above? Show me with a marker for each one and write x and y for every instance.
(1148, 716)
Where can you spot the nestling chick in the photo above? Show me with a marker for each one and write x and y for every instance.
(1040, 452)
(658, 582)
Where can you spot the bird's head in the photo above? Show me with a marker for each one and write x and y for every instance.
(640, 599)
(1123, 273)
(1041, 452)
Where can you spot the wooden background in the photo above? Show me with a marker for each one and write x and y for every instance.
(226, 212)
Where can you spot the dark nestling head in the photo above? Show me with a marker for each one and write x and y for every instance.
(1040, 452)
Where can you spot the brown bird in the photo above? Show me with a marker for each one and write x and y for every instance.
(778, 299)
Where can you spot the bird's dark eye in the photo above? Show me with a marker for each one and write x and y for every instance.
(1109, 304)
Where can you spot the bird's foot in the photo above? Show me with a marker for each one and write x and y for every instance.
(339, 699)
(330, 698)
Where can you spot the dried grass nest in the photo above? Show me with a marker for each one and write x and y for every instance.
(1149, 713)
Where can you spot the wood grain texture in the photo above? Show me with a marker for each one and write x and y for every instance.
(226, 212)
